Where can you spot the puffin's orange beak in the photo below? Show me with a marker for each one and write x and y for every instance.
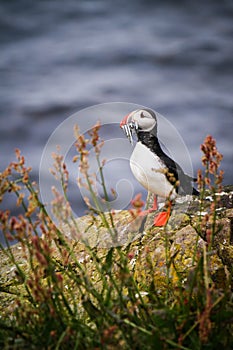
(129, 127)
(124, 121)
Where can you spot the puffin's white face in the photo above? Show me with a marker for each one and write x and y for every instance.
(139, 120)
(143, 118)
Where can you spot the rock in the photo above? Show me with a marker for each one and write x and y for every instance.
(185, 247)
(167, 252)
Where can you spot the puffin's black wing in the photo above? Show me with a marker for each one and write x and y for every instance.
(185, 181)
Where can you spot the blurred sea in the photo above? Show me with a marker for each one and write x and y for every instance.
(59, 57)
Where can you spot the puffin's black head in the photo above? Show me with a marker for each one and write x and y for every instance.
(140, 120)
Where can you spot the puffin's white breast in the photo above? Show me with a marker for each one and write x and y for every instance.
(149, 169)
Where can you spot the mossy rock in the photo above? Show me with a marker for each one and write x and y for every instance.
(153, 251)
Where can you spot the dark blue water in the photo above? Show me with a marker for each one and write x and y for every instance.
(59, 57)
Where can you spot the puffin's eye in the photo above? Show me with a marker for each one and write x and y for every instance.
(142, 115)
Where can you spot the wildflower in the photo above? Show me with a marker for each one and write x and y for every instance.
(13, 222)
(9, 237)
(212, 158)
(4, 216)
(53, 333)
(94, 133)
(13, 187)
(130, 256)
(32, 204)
(108, 333)
(35, 242)
(137, 204)
(25, 178)
(212, 180)
(75, 159)
(41, 259)
(58, 165)
(209, 236)
(205, 324)
(20, 199)
(59, 279)
(17, 153)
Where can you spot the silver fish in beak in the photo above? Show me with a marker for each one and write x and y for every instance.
(129, 128)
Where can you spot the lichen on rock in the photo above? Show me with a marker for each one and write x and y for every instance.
(158, 255)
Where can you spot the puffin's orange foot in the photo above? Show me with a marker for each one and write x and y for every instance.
(150, 210)
(161, 219)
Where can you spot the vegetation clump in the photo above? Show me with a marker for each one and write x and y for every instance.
(61, 291)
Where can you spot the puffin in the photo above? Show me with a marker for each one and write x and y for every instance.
(152, 167)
